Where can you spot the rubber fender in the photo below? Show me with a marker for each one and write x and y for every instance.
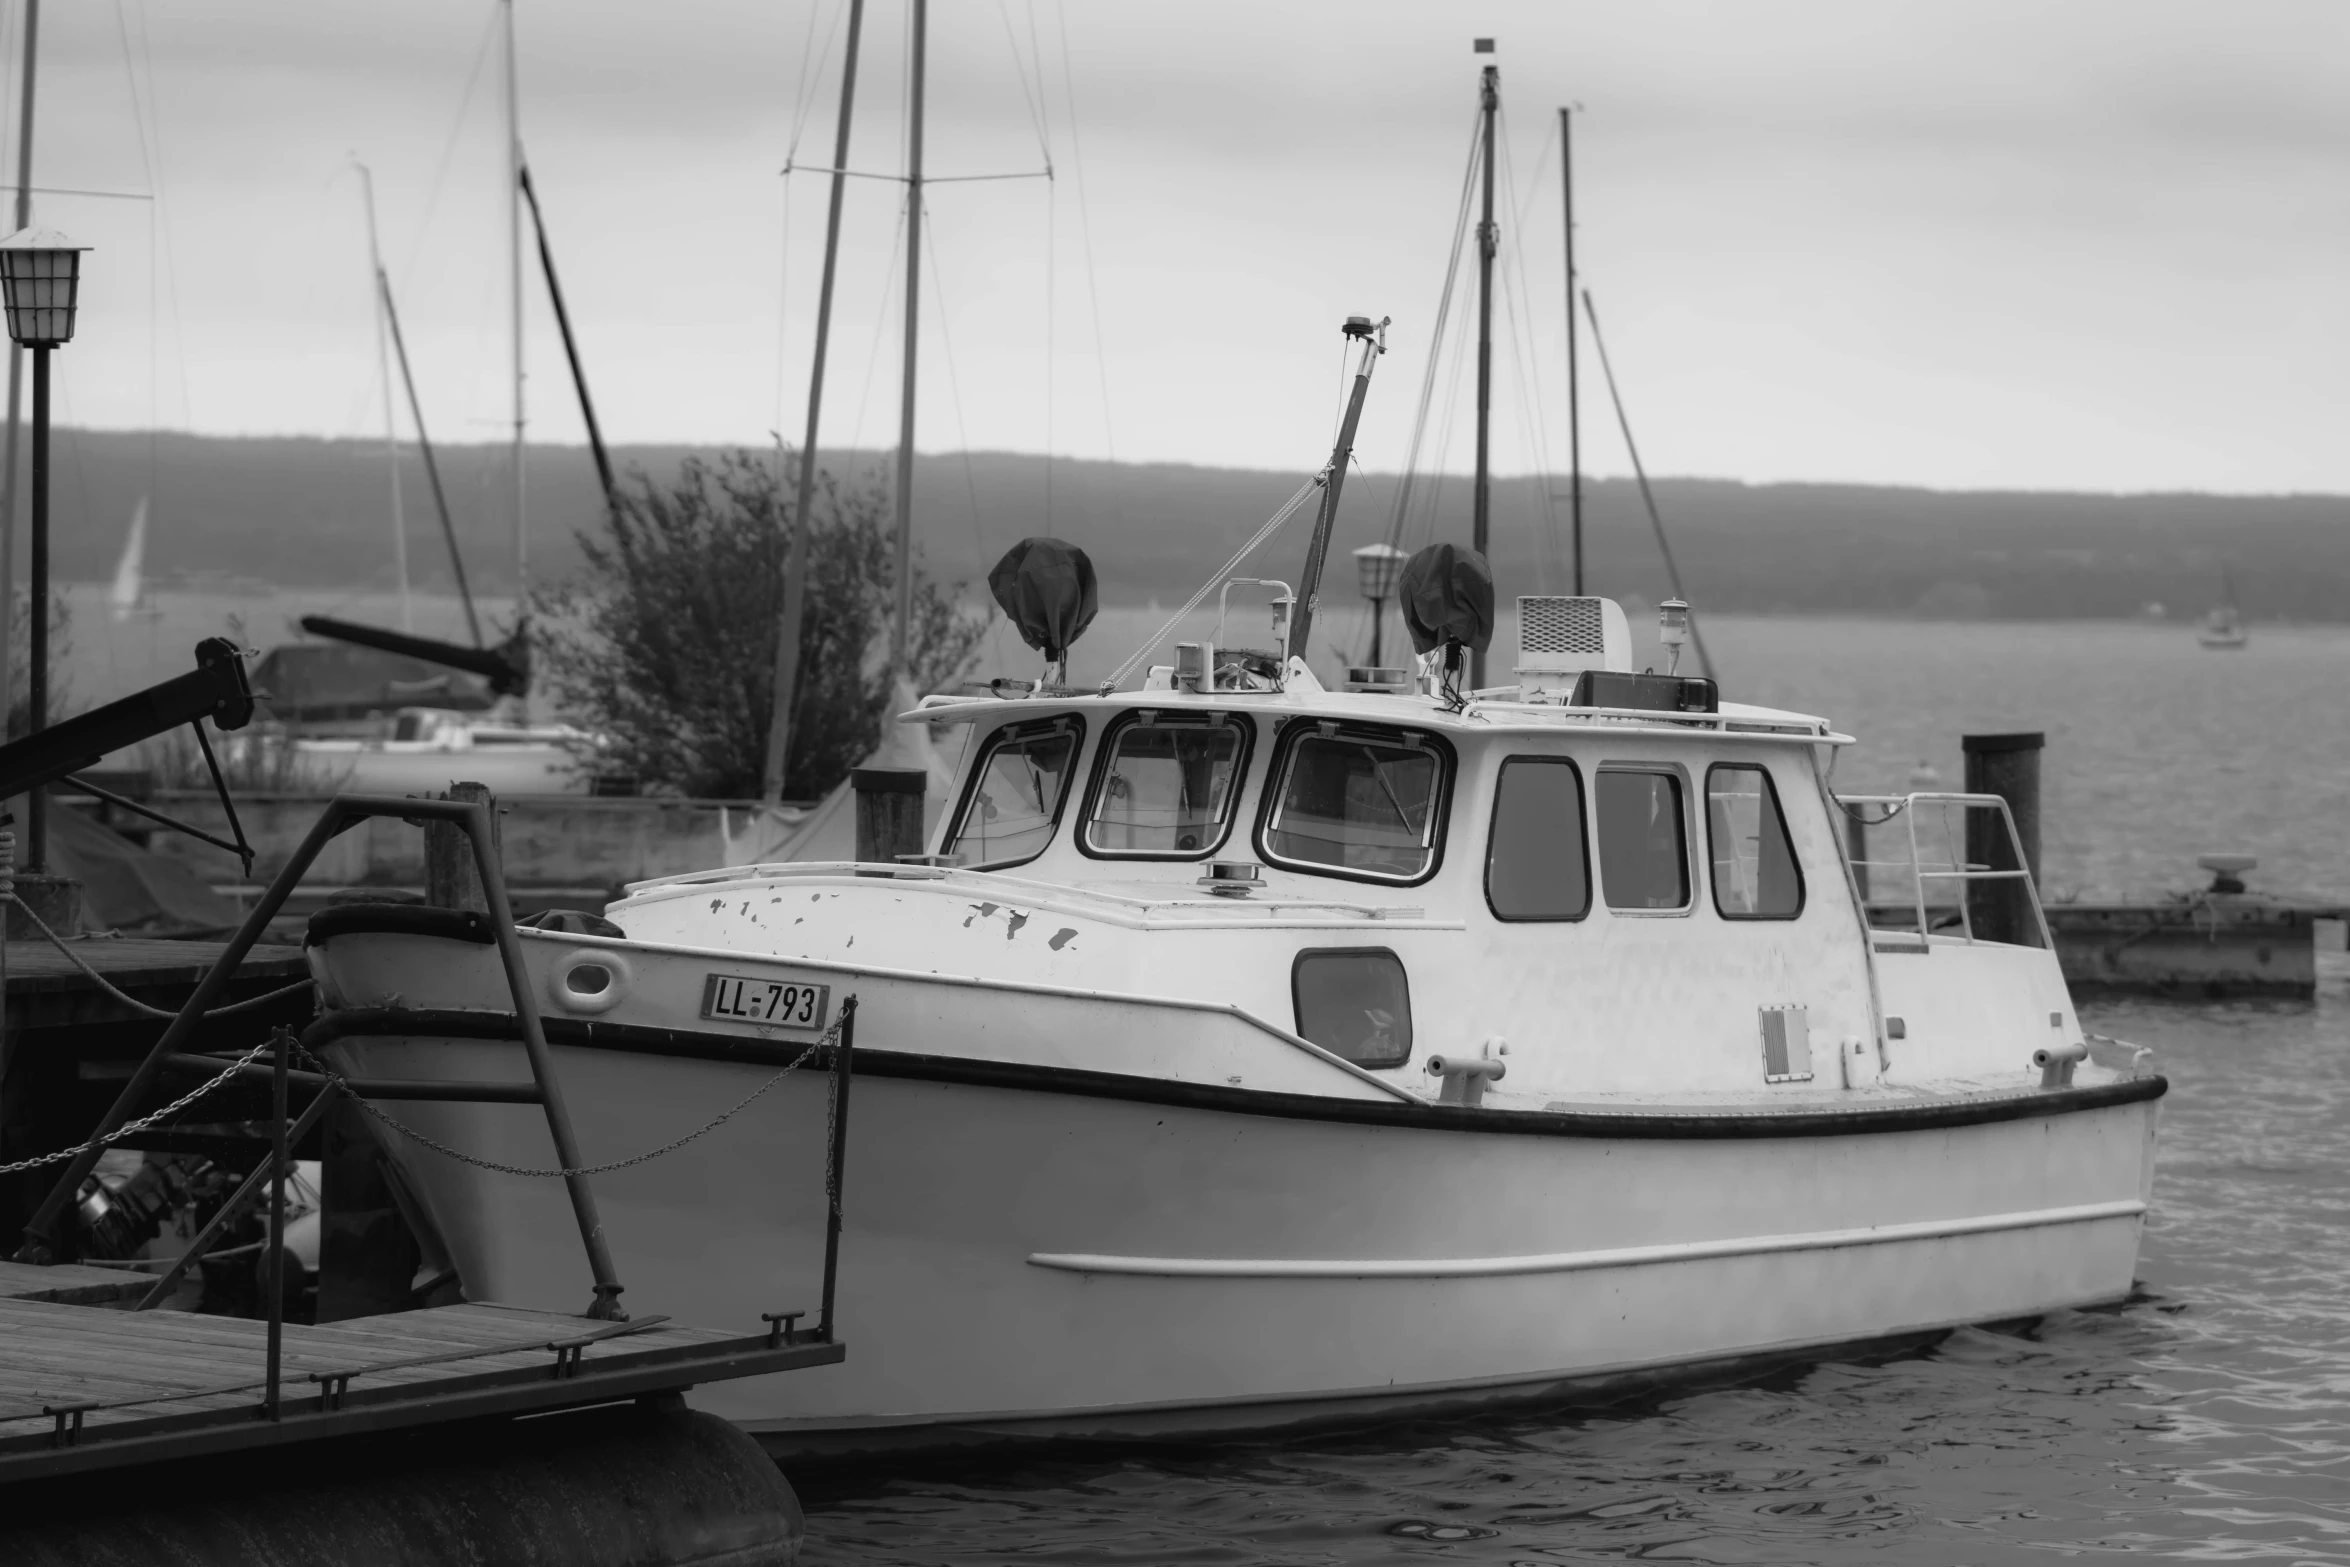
(650, 1484)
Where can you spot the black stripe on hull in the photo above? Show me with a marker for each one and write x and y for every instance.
(688, 1044)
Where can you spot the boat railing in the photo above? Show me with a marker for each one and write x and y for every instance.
(1983, 865)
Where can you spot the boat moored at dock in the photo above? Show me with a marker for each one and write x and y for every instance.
(1244, 1052)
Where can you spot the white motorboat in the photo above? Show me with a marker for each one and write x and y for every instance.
(426, 748)
(1276, 1054)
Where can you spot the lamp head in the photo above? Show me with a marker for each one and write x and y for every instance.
(40, 281)
(1376, 568)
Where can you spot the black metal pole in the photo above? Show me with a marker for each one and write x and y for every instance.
(606, 1305)
(1301, 624)
(1488, 242)
(432, 469)
(587, 408)
(274, 1272)
(1574, 390)
(37, 802)
(795, 565)
(1378, 614)
(838, 1152)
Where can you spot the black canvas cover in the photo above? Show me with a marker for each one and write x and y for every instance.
(312, 682)
(1447, 596)
(1047, 590)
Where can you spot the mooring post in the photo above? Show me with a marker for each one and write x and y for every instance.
(836, 1156)
(889, 812)
(2008, 766)
(1856, 850)
(273, 1275)
(451, 880)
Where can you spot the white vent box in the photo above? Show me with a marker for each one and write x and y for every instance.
(1560, 637)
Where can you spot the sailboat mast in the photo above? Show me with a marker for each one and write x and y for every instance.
(1574, 390)
(1488, 242)
(514, 318)
(383, 365)
(902, 652)
(24, 220)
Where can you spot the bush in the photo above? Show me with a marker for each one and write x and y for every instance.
(667, 647)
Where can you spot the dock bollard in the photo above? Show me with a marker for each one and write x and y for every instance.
(2009, 767)
(889, 812)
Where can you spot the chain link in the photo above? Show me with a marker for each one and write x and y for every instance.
(144, 1122)
(831, 1034)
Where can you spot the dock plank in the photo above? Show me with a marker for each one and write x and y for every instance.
(70, 1284)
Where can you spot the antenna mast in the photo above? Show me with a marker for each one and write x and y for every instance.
(1309, 596)
(383, 365)
(901, 645)
(1488, 242)
(1574, 406)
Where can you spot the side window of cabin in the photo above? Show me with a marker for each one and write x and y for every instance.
(1643, 839)
(1365, 804)
(1535, 864)
(1165, 786)
(1355, 1003)
(1014, 798)
(1756, 876)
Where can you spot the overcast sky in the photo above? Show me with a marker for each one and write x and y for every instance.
(1983, 244)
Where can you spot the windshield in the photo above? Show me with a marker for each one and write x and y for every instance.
(1166, 788)
(1015, 796)
(1358, 803)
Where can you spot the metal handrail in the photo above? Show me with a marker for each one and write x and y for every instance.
(1905, 805)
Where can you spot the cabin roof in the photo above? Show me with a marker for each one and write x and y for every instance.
(1485, 715)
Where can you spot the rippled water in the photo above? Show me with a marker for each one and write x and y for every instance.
(2207, 1418)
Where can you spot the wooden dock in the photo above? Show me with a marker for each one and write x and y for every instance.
(46, 990)
(84, 1388)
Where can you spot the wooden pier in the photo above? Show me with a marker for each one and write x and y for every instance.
(84, 1388)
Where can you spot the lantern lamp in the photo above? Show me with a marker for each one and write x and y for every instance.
(40, 277)
(1376, 568)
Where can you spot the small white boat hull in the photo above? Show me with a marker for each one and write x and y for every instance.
(1038, 1251)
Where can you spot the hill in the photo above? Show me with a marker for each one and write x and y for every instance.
(303, 512)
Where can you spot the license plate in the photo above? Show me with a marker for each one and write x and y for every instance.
(779, 1003)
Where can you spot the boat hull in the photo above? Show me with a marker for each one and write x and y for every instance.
(1053, 1253)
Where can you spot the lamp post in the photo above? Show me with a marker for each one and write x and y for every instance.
(1376, 566)
(40, 281)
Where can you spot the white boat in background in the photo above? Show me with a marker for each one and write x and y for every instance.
(427, 749)
(126, 597)
(2223, 630)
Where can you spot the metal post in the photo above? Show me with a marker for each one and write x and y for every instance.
(606, 1306)
(2008, 766)
(1856, 850)
(274, 1272)
(837, 1152)
(37, 802)
(1373, 342)
(795, 562)
(1378, 615)
(901, 640)
(1574, 406)
(1488, 242)
(24, 220)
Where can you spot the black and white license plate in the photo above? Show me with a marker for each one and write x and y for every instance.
(779, 1003)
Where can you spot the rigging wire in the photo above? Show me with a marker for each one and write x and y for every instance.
(1436, 340)
(1521, 318)
(440, 176)
(811, 66)
(1647, 498)
(938, 291)
(1085, 231)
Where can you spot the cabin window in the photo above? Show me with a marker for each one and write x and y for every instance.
(1536, 867)
(1643, 843)
(1755, 873)
(1358, 803)
(1354, 1003)
(1165, 786)
(1013, 801)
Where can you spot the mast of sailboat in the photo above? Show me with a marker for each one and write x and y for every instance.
(383, 365)
(432, 468)
(24, 220)
(514, 325)
(1488, 242)
(587, 404)
(902, 654)
(1574, 405)
(795, 565)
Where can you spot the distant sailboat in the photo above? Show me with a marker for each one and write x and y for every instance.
(127, 599)
(2223, 629)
